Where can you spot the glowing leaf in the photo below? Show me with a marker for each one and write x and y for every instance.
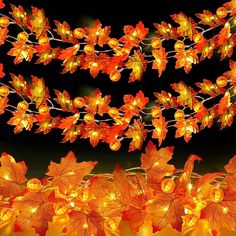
(84, 223)
(207, 18)
(63, 99)
(187, 25)
(63, 29)
(160, 129)
(3, 104)
(221, 214)
(230, 179)
(154, 162)
(36, 210)
(39, 91)
(2, 74)
(185, 58)
(68, 174)
(165, 30)
(46, 53)
(71, 134)
(97, 103)
(160, 60)
(21, 120)
(138, 135)
(186, 96)
(39, 24)
(166, 99)
(19, 84)
(20, 15)
(12, 176)
(68, 53)
(3, 35)
(186, 128)
(22, 51)
(165, 209)
(138, 66)
(224, 103)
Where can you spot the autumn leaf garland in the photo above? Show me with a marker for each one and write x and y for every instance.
(93, 48)
(152, 196)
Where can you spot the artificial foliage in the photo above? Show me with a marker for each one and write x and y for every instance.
(155, 198)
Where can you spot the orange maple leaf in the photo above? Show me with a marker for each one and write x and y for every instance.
(186, 96)
(230, 179)
(19, 15)
(21, 120)
(221, 214)
(138, 65)
(19, 84)
(165, 209)
(35, 211)
(3, 104)
(46, 123)
(186, 128)
(71, 134)
(84, 223)
(138, 134)
(208, 18)
(166, 99)
(166, 30)
(39, 23)
(185, 58)
(224, 103)
(160, 60)
(135, 104)
(187, 25)
(46, 53)
(3, 35)
(97, 34)
(12, 176)
(39, 92)
(2, 74)
(154, 162)
(160, 129)
(97, 103)
(95, 132)
(69, 121)
(64, 31)
(63, 99)
(68, 174)
(66, 54)
(2, 5)
(22, 51)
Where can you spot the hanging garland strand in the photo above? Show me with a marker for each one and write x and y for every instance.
(92, 47)
(92, 116)
(153, 197)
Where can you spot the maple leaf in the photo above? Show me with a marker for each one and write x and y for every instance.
(165, 209)
(97, 103)
(46, 53)
(19, 84)
(207, 87)
(3, 104)
(154, 162)
(22, 51)
(2, 5)
(221, 214)
(138, 66)
(186, 96)
(46, 123)
(84, 223)
(2, 74)
(19, 15)
(187, 25)
(224, 103)
(208, 18)
(135, 35)
(134, 104)
(95, 132)
(39, 92)
(69, 121)
(232, 73)
(224, 34)
(12, 176)
(160, 60)
(35, 211)
(21, 120)
(160, 129)
(63, 99)
(39, 23)
(95, 63)
(138, 135)
(166, 30)
(227, 48)
(68, 174)
(72, 64)
(68, 53)
(64, 31)
(3, 35)
(185, 58)
(166, 99)
(186, 128)
(230, 168)
(207, 118)
(208, 49)
(97, 34)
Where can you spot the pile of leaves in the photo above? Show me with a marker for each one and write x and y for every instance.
(154, 195)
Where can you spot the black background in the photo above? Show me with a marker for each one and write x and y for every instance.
(215, 146)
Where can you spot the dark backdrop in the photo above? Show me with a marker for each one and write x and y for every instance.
(216, 147)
